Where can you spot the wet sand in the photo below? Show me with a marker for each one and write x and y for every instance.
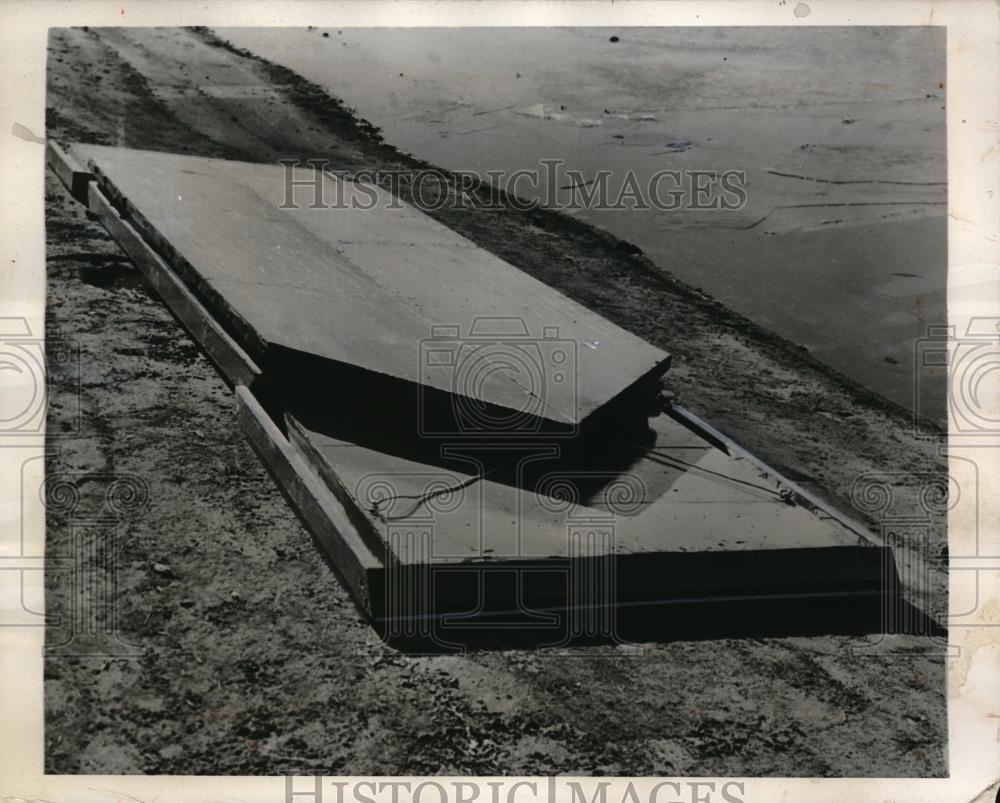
(841, 134)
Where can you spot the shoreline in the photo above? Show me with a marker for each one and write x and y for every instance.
(779, 402)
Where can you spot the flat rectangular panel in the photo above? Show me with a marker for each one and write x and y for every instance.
(384, 288)
(678, 494)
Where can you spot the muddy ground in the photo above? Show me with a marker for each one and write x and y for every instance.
(249, 656)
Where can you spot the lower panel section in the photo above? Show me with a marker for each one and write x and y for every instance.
(437, 605)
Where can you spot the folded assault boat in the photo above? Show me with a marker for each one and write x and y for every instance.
(476, 454)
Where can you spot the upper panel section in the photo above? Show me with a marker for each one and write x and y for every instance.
(348, 273)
